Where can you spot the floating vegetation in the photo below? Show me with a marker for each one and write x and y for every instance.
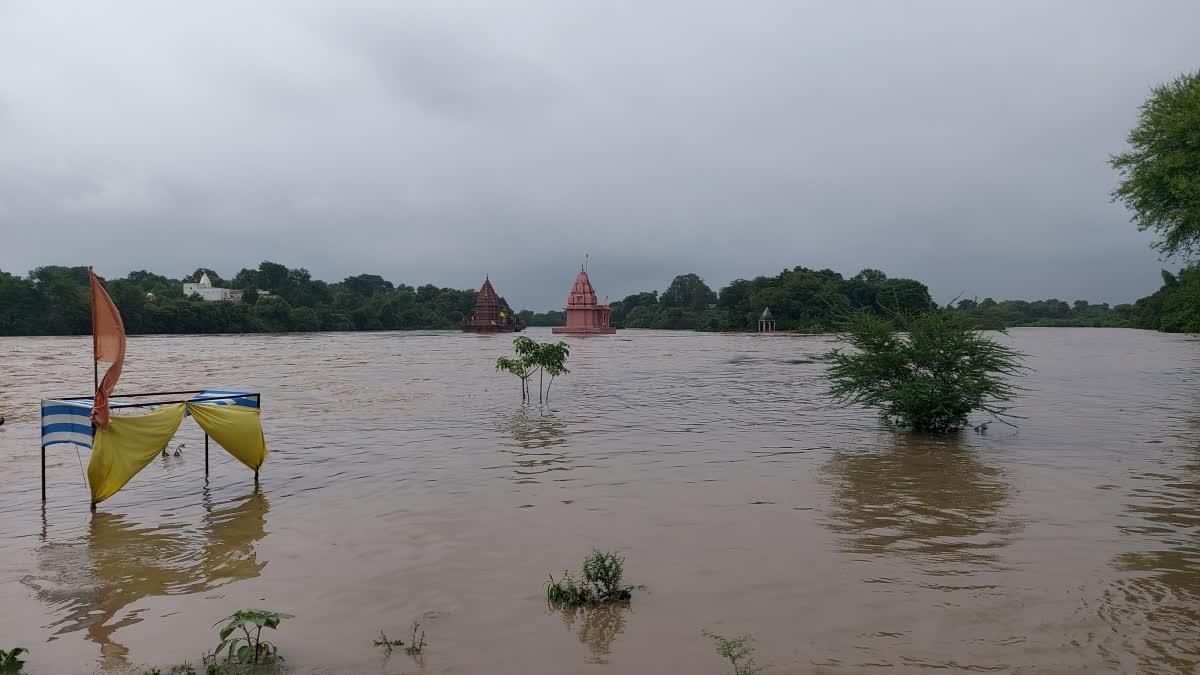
(599, 582)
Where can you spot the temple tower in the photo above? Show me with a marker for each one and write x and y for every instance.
(584, 315)
(491, 315)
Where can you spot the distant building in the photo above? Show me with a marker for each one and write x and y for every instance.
(766, 322)
(492, 314)
(205, 290)
(584, 316)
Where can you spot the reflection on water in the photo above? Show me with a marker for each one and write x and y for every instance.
(1162, 596)
(536, 433)
(925, 498)
(599, 627)
(120, 562)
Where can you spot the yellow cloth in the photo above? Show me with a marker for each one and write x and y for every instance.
(127, 446)
(131, 442)
(238, 429)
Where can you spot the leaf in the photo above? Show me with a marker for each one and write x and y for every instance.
(233, 625)
(244, 653)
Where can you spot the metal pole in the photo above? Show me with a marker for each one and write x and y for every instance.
(95, 364)
(206, 455)
(43, 473)
(258, 405)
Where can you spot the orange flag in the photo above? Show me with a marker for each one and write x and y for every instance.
(108, 338)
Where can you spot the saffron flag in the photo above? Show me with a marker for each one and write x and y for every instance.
(108, 340)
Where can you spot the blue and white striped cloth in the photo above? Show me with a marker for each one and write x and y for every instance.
(66, 422)
(244, 398)
(69, 420)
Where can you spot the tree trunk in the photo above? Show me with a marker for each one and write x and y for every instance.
(540, 386)
(548, 388)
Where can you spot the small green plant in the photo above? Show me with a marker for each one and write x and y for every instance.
(600, 582)
(249, 647)
(738, 651)
(416, 643)
(535, 358)
(10, 661)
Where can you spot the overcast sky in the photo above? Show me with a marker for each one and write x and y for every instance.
(960, 143)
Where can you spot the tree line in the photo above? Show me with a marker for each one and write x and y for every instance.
(54, 300)
(800, 299)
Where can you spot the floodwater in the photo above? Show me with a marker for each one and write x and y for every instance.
(407, 483)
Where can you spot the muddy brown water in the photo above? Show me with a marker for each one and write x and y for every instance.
(406, 482)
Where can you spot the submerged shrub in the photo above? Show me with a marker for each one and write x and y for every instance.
(738, 651)
(600, 581)
(927, 371)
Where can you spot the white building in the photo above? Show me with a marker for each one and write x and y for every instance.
(204, 289)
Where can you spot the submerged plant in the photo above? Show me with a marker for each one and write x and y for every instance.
(535, 358)
(180, 669)
(250, 647)
(386, 643)
(416, 643)
(10, 661)
(739, 651)
(600, 582)
(927, 371)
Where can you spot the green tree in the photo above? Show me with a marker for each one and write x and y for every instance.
(1160, 172)
(215, 278)
(904, 295)
(688, 291)
(928, 371)
(535, 358)
(366, 285)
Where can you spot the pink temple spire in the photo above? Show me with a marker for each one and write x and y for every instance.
(584, 315)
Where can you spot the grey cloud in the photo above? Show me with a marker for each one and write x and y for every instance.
(963, 144)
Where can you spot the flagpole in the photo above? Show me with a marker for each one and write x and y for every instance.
(95, 364)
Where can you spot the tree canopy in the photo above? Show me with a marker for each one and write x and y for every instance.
(928, 371)
(800, 298)
(1160, 172)
(54, 300)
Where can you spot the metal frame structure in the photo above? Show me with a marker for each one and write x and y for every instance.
(255, 395)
